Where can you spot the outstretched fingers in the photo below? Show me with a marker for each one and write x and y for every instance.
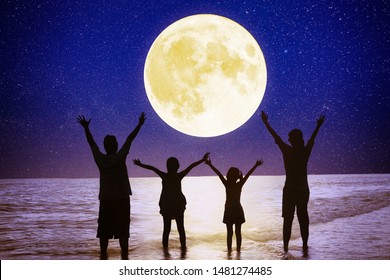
(320, 120)
(142, 118)
(259, 162)
(83, 121)
(80, 119)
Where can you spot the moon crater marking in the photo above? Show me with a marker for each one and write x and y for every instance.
(205, 75)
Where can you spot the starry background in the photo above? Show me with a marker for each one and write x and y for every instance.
(60, 59)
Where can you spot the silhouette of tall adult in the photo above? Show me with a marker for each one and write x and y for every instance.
(296, 188)
(114, 190)
(172, 200)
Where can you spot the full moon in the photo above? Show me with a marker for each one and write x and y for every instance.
(205, 75)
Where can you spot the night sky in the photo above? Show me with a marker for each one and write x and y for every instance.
(62, 58)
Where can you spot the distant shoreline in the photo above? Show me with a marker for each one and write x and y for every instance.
(194, 176)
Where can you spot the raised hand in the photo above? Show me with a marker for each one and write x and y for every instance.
(259, 162)
(320, 120)
(206, 156)
(83, 121)
(137, 161)
(264, 116)
(142, 119)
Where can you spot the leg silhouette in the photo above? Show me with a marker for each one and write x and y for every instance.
(229, 237)
(287, 224)
(103, 246)
(238, 237)
(303, 218)
(124, 243)
(182, 232)
(167, 231)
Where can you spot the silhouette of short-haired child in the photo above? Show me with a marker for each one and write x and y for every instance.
(296, 188)
(234, 213)
(114, 190)
(172, 200)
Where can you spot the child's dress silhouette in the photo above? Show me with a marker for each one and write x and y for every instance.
(172, 200)
(234, 213)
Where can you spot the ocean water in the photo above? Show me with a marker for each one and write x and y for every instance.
(57, 219)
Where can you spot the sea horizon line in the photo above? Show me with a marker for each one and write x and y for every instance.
(193, 176)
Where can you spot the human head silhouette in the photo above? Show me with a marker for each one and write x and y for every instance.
(110, 144)
(233, 174)
(172, 165)
(295, 137)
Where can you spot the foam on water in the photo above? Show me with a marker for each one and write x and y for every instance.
(57, 219)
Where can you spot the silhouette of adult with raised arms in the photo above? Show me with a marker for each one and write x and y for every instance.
(172, 200)
(114, 190)
(234, 213)
(296, 188)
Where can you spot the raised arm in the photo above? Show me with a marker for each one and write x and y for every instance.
(258, 163)
(208, 162)
(85, 124)
(264, 117)
(196, 163)
(126, 146)
(149, 167)
(320, 122)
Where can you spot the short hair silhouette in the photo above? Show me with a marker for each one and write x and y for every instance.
(110, 144)
(295, 137)
(114, 187)
(172, 164)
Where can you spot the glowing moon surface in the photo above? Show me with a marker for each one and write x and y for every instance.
(205, 75)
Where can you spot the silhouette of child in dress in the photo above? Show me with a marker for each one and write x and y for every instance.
(234, 213)
(172, 200)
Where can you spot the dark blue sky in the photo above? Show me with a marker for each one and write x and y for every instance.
(60, 59)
